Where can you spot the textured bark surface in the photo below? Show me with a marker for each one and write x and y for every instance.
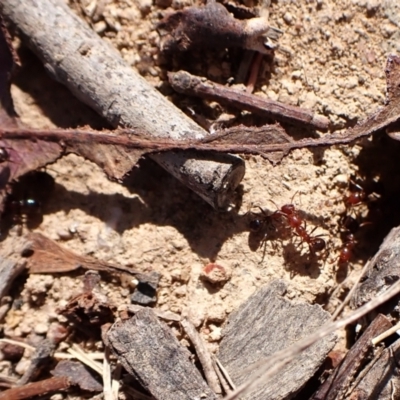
(383, 270)
(96, 73)
(265, 324)
(382, 381)
(342, 377)
(149, 351)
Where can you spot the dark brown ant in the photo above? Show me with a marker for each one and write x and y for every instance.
(25, 201)
(347, 250)
(357, 195)
(4, 155)
(351, 226)
(315, 243)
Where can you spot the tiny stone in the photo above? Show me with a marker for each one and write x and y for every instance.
(41, 328)
(215, 273)
(288, 18)
(64, 234)
(146, 291)
(216, 314)
(22, 366)
(215, 333)
(57, 396)
(180, 291)
(341, 180)
(100, 27)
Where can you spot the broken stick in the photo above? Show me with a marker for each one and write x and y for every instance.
(183, 82)
(96, 73)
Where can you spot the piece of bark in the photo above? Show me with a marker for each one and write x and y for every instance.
(90, 308)
(40, 358)
(382, 381)
(267, 323)
(382, 271)
(78, 375)
(185, 83)
(340, 379)
(96, 73)
(150, 352)
(198, 27)
(10, 269)
(44, 387)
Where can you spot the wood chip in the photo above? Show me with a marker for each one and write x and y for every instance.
(382, 271)
(150, 352)
(342, 376)
(265, 324)
(382, 381)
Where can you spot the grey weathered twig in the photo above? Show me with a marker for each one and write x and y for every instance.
(46, 386)
(203, 354)
(96, 73)
(183, 82)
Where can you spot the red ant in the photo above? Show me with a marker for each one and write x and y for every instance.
(315, 243)
(349, 241)
(294, 220)
(357, 195)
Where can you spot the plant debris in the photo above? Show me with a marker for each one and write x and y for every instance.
(195, 27)
(185, 83)
(78, 375)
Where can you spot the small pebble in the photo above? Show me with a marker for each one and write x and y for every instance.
(41, 328)
(215, 273)
(288, 18)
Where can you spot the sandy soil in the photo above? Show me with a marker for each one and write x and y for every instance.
(332, 60)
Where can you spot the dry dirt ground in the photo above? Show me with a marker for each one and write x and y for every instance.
(332, 59)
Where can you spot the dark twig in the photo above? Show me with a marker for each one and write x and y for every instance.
(183, 82)
(45, 386)
(128, 139)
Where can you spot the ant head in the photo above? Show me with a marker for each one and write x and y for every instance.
(288, 209)
(318, 244)
(351, 224)
(255, 225)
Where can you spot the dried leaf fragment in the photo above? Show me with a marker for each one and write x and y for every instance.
(78, 375)
(195, 27)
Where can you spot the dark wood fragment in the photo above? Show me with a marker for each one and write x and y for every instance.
(78, 375)
(46, 386)
(382, 381)
(10, 269)
(183, 82)
(90, 308)
(267, 323)
(41, 357)
(342, 376)
(212, 24)
(150, 352)
(382, 271)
